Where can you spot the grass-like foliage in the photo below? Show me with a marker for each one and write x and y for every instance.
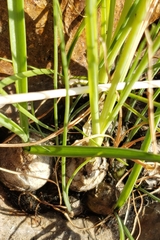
(115, 54)
(17, 31)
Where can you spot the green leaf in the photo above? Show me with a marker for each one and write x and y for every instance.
(88, 151)
(13, 127)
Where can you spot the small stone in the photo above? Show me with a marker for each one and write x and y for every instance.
(102, 199)
(76, 205)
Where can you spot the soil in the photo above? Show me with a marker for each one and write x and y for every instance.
(22, 216)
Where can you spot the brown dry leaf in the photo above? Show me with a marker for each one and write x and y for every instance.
(156, 13)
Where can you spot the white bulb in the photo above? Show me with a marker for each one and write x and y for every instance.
(15, 159)
(89, 176)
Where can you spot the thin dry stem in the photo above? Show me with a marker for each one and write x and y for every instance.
(127, 211)
(51, 136)
(29, 175)
(150, 92)
(137, 215)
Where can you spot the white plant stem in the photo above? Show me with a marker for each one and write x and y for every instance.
(50, 94)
